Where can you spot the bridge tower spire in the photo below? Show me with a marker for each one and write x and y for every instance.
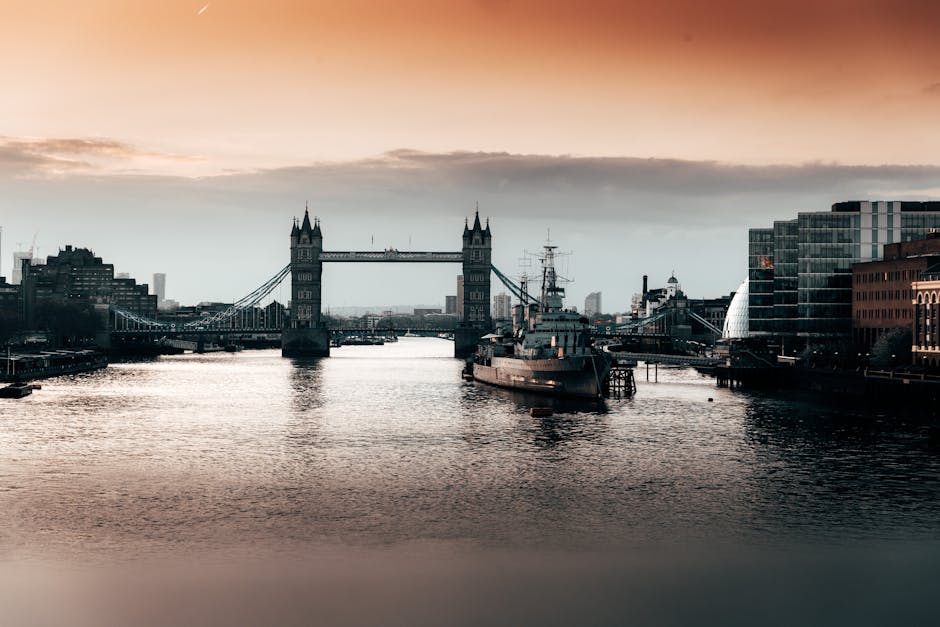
(305, 334)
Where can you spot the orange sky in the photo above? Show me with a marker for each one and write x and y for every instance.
(265, 84)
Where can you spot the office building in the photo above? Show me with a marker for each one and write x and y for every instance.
(16, 276)
(592, 304)
(450, 305)
(800, 271)
(159, 286)
(459, 297)
(502, 307)
(75, 274)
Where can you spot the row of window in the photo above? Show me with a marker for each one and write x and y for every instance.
(896, 313)
(894, 275)
(877, 295)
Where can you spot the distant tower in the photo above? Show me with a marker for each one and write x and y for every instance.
(305, 336)
(477, 257)
(159, 286)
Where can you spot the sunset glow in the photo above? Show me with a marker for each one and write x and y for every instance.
(256, 85)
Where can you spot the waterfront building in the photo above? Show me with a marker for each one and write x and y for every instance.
(736, 320)
(76, 274)
(882, 291)
(926, 321)
(502, 307)
(810, 258)
(450, 304)
(592, 304)
(422, 312)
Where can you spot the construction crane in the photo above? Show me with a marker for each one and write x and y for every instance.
(519, 292)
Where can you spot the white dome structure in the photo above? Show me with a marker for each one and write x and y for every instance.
(736, 320)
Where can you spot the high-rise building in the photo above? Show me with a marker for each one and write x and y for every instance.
(459, 301)
(800, 271)
(450, 305)
(16, 276)
(502, 307)
(159, 286)
(592, 304)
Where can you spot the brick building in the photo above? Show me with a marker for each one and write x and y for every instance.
(925, 300)
(882, 291)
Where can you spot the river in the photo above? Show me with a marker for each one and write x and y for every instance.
(381, 469)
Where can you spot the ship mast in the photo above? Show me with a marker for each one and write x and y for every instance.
(552, 295)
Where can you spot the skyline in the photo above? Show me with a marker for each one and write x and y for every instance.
(646, 137)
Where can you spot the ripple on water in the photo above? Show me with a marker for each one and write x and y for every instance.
(383, 445)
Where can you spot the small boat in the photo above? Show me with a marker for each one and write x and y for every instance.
(16, 390)
(540, 412)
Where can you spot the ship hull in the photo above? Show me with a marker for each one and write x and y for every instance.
(580, 377)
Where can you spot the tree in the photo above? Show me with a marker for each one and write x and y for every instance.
(892, 349)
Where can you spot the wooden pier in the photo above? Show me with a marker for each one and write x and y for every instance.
(619, 382)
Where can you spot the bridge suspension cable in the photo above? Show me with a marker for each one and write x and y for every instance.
(246, 302)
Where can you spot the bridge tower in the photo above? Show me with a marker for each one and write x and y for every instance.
(477, 257)
(305, 334)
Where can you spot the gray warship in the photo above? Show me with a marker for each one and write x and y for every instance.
(549, 349)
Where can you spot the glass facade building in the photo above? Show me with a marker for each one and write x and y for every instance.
(760, 275)
(736, 325)
(800, 270)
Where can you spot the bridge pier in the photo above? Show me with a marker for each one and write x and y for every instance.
(466, 340)
(311, 342)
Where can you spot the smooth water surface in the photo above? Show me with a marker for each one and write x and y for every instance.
(386, 446)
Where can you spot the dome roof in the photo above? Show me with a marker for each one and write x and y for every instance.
(672, 279)
(736, 320)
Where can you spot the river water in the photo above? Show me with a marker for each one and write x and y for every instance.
(380, 467)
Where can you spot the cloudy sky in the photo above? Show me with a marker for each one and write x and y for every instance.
(182, 137)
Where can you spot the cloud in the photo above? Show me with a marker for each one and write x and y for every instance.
(56, 156)
(623, 216)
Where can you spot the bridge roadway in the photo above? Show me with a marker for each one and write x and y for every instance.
(179, 331)
(349, 256)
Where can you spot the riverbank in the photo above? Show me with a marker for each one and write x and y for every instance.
(881, 387)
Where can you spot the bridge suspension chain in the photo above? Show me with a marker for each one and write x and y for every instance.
(246, 302)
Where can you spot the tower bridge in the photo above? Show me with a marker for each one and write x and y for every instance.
(304, 333)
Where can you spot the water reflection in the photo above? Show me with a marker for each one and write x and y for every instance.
(388, 445)
(305, 384)
(843, 472)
